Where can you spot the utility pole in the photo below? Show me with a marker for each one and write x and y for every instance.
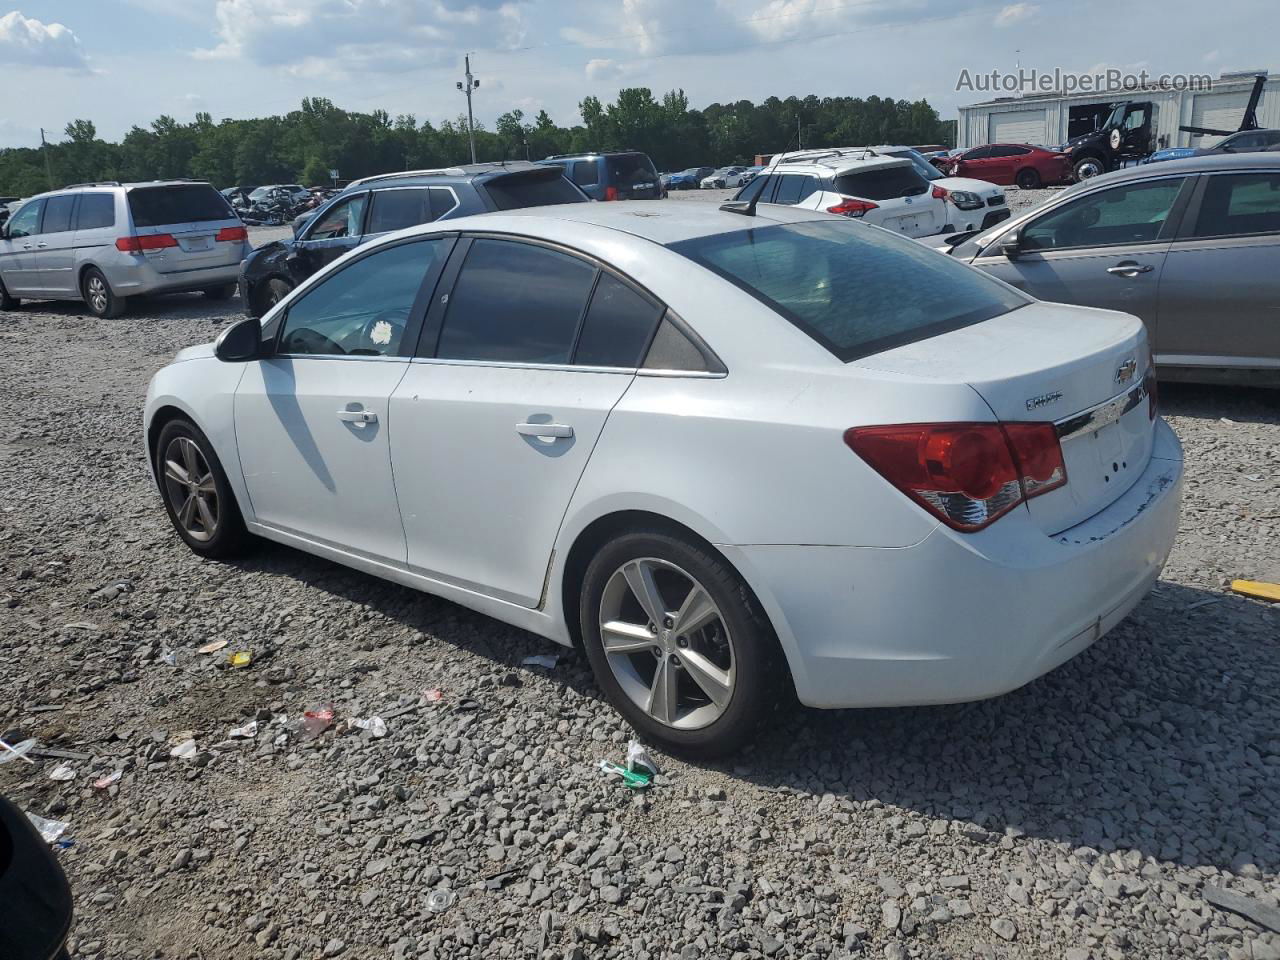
(799, 145)
(44, 148)
(471, 84)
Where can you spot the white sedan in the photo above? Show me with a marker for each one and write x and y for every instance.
(723, 450)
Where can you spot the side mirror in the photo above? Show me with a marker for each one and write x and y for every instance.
(1010, 247)
(240, 343)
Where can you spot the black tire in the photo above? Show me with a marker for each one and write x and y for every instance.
(228, 535)
(7, 302)
(757, 659)
(224, 291)
(1088, 167)
(1028, 178)
(98, 295)
(267, 295)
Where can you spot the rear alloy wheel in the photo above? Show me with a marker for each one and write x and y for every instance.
(1088, 168)
(7, 302)
(196, 494)
(675, 639)
(98, 295)
(1028, 179)
(224, 291)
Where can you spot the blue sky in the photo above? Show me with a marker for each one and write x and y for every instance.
(121, 62)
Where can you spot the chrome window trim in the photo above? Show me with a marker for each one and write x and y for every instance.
(522, 365)
(1211, 360)
(335, 356)
(1101, 414)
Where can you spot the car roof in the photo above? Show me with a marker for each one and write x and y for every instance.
(839, 164)
(1207, 164)
(462, 173)
(591, 153)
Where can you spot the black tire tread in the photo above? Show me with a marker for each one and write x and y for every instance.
(233, 538)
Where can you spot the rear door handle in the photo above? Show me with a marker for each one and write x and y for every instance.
(560, 430)
(357, 416)
(1129, 269)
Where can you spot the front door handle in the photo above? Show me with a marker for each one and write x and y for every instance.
(557, 430)
(1129, 269)
(42, 244)
(357, 416)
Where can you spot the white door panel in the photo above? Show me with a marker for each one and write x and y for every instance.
(482, 488)
(313, 440)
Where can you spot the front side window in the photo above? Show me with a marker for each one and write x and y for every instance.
(97, 210)
(618, 326)
(978, 153)
(363, 309)
(586, 173)
(1134, 213)
(397, 209)
(516, 303)
(343, 219)
(57, 214)
(26, 222)
(756, 188)
(1135, 119)
(855, 291)
(1239, 204)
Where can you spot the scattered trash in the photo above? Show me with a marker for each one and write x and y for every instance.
(184, 751)
(1257, 588)
(50, 830)
(113, 590)
(438, 901)
(548, 660)
(246, 732)
(375, 725)
(638, 760)
(213, 646)
(1203, 603)
(633, 781)
(1226, 420)
(102, 783)
(62, 773)
(170, 657)
(241, 658)
(1257, 911)
(17, 751)
(433, 695)
(317, 720)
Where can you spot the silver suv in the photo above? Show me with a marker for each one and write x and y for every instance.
(105, 242)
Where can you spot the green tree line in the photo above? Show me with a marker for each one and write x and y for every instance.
(305, 144)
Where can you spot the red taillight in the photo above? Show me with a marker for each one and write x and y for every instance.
(966, 474)
(154, 241)
(848, 207)
(611, 193)
(941, 193)
(232, 235)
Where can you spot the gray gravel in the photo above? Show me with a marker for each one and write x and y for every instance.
(1080, 817)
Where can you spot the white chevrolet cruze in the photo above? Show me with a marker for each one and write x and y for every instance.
(722, 450)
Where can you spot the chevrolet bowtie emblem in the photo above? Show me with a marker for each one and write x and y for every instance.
(1126, 370)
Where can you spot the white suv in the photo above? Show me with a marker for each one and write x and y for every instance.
(886, 191)
(972, 205)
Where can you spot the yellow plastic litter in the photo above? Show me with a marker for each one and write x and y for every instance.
(241, 658)
(1257, 588)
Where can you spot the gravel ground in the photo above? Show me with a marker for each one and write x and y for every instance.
(1082, 817)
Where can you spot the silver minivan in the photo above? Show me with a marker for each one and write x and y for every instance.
(105, 242)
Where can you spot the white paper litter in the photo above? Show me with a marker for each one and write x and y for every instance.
(247, 732)
(184, 751)
(375, 725)
(50, 830)
(62, 773)
(638, 759)
(548, 660)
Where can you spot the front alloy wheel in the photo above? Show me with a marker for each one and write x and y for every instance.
(190, 487)
(667, 643)
(1088, 168)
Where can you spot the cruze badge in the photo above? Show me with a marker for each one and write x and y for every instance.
(1035, 403)
(1126, 370)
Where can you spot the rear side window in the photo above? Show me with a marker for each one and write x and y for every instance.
(586, 173)
(631, 169)
(181, 203)
(854, 290)
(97, 210)
(397, 209)
(886, 183)
(756, 188)
(618, 326)
(537, 188)
(515, 302)
(57, 214)
(1233, 205)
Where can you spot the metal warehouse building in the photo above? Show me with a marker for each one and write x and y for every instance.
(1052, 119)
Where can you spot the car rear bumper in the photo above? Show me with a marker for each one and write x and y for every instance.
(132, 275)
(961, 617)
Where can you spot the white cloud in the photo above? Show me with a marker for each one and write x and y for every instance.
(28, 42)
(603, 70)
(1015, 13)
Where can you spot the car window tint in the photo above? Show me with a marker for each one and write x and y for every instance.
(96, 210)
(631, 169)
(1134, 213)
(26, 221)
(363, 309)
(397, 209)
(443, 201)
(585, 173)
(672, 349)
(619, 323)
(341, 220)
(753, 189)
(515, 302)
(854, 291)
(979, 153)
(57, 214)
(1235, 204)
(532, 188)
(789, 187)
(885, 183)
(186, 203)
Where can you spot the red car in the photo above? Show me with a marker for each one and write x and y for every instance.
(1011, 163)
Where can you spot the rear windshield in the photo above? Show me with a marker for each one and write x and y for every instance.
(185, 203)
(886, 183)
(629, 169)
(535, 188)
(854, 289)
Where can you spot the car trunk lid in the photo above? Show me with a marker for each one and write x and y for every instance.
(1082, 369)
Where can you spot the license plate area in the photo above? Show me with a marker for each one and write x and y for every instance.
(195, 244)
(905, 224)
